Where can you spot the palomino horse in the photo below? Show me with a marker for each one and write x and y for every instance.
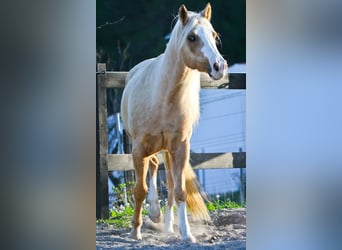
(160, 106)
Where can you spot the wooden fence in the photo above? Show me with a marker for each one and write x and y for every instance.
(109, 162)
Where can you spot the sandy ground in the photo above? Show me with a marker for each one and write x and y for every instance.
(226, 231)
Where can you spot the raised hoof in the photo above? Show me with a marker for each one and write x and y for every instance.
(156, 218)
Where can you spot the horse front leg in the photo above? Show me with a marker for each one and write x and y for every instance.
(139, 192)
(169, 216)
(154, 211)
(180, 158)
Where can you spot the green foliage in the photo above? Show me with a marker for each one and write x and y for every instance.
(121, 190)
(120, 215)
(220, 204)
(121, 218)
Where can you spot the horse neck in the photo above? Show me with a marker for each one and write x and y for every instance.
(180, 86)
(177, 75)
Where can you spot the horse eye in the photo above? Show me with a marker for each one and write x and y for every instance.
(191, 38)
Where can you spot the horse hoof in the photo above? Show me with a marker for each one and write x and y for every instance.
(135, 235)
(189, 238)
(156, 218)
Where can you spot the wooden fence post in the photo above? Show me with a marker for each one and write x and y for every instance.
(102, 200)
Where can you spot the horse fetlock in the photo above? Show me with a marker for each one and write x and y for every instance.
(136, 223)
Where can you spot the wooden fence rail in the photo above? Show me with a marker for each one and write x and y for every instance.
(109, 162)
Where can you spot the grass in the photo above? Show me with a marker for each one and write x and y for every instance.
(121, 217)
(220, 204)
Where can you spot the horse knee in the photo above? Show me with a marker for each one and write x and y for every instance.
(180, 195)
(140, 193)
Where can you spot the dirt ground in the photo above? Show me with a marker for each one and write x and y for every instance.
(226, 231)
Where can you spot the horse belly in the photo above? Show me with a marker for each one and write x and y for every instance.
(136, 103)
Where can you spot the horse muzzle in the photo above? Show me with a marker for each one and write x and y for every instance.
(218, 69)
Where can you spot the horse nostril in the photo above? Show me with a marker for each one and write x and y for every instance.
(216, 66)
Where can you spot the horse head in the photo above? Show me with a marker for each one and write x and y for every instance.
(198, 44)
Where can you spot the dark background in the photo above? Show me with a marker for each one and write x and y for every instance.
(129, 32)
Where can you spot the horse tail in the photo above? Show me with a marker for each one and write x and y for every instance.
(194, 197)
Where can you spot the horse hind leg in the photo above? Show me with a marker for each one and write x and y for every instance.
(154, 211)
(139, 192)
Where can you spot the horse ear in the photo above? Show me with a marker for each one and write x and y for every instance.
(206, 13)
(183, 14)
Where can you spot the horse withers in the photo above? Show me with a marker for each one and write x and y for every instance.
(160, 106)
